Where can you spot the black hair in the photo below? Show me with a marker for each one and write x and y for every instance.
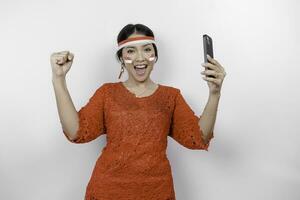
(128, 30)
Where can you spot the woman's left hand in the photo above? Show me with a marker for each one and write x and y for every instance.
(216, 70)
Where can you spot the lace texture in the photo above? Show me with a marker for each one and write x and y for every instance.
(185, 127)
(133, 165)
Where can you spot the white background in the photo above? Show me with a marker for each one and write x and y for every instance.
(255, 152)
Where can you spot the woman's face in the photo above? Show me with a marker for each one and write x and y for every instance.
(137, 60)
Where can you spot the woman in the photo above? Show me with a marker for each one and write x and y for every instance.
(137, 115)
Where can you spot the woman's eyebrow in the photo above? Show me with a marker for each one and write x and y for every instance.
(135, 47)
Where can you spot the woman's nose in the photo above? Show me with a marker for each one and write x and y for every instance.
(140, 56)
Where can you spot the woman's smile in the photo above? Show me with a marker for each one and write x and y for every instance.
(140, 69)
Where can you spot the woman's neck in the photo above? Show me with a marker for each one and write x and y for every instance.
(139, 85)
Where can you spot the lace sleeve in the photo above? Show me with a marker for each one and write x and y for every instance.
(185, 126)
(91, 118)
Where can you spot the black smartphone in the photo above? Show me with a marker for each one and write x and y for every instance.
(208, 49)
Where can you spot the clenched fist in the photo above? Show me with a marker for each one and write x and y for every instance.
(61, 63)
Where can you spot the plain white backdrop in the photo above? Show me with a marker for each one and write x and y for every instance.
(255, 151)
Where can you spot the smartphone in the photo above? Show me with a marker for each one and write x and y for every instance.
(208, 49)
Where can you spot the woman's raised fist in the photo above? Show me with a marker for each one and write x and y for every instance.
(61, 63)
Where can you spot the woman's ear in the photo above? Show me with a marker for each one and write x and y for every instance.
(121, 59)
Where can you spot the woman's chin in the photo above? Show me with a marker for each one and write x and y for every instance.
(141, 78)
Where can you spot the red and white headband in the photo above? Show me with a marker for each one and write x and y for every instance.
(135, 40)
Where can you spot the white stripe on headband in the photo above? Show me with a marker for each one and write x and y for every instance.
(137, 40)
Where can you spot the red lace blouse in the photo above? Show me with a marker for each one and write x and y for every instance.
(133, 164)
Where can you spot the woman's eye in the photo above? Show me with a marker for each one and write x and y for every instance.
(148, 49)
(129, 51)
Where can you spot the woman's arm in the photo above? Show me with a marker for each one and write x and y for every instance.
(66, 109)
(208, 117)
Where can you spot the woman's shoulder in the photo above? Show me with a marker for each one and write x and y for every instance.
(170, 88)
(106, 85)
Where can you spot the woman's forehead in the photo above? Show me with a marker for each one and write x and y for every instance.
(138, 45)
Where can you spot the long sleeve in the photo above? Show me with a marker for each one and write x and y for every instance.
(185, 125)
(91, 118)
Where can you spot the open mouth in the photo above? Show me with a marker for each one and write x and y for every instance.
(140, 69)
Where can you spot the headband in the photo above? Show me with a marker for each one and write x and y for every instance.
(135, 40)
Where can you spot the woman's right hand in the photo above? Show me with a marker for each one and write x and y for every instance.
(61, 63)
